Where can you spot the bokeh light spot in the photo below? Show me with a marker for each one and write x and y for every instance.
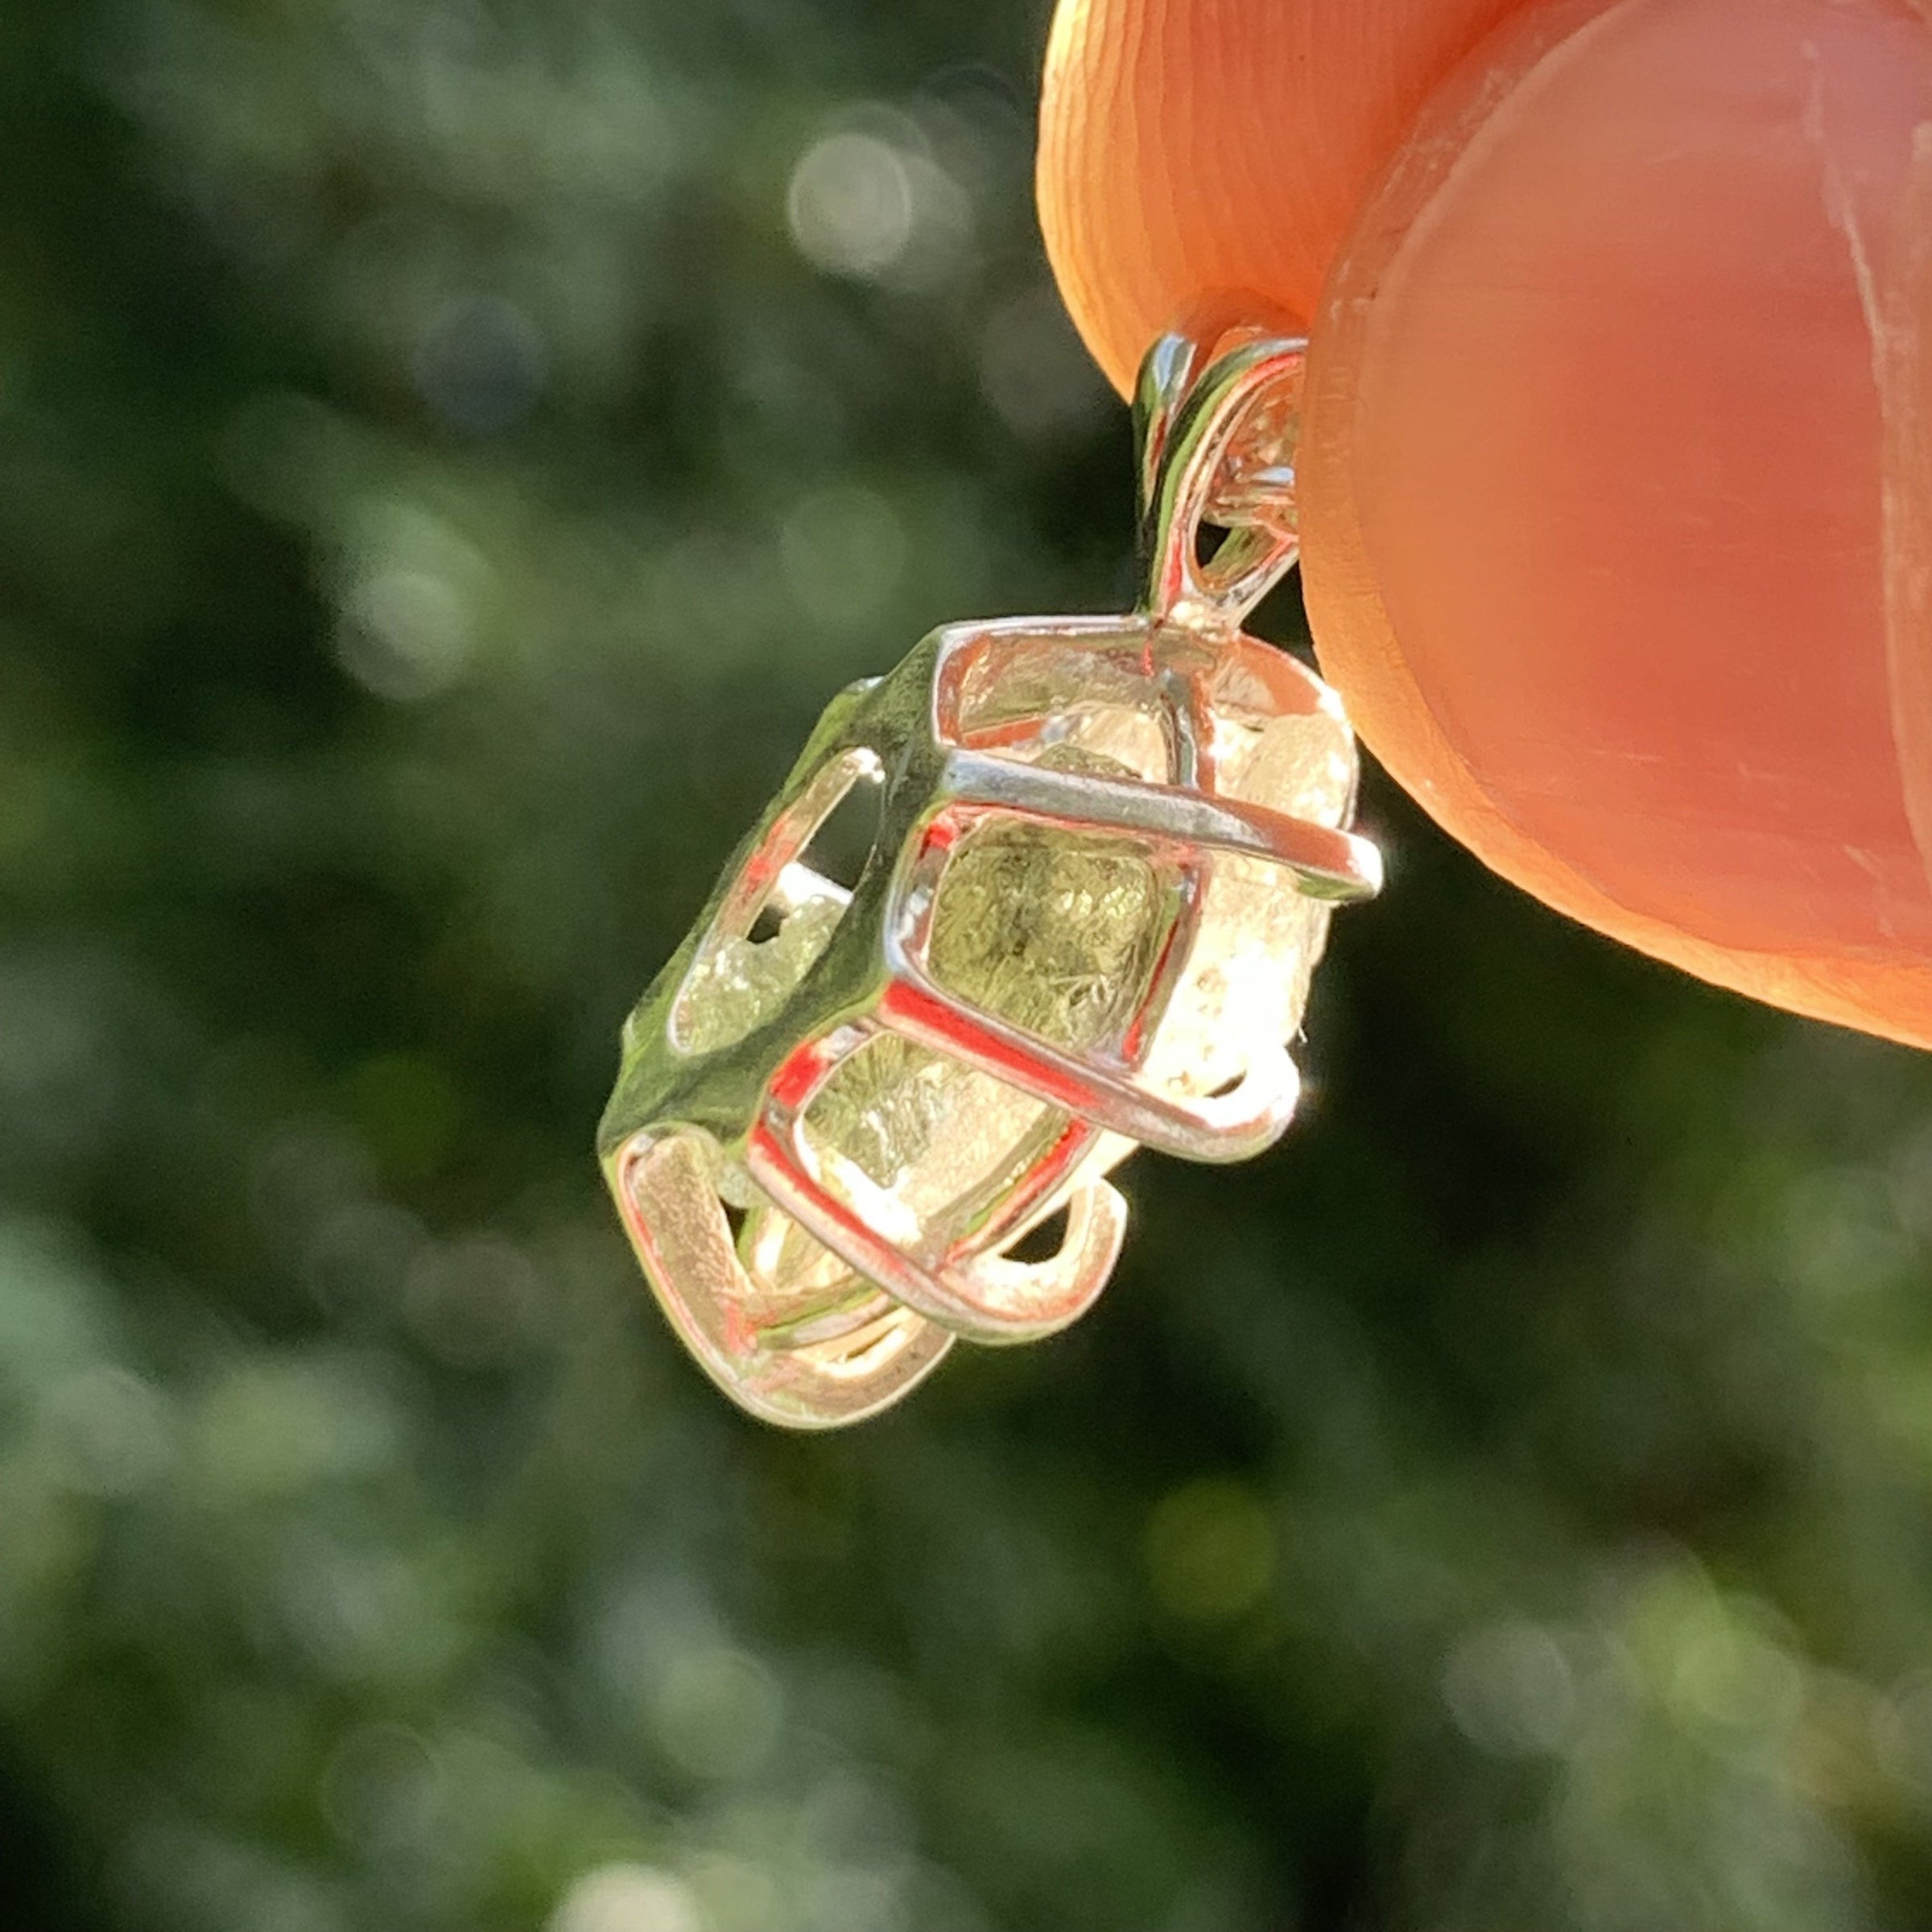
(1511, 1690)
(628, 1898)
(716, 1711)
(382, 1786)
(113, 1431)
(1210, 1550)
(849, 205)
(404, 634)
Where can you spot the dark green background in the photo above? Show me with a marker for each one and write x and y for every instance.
(448, 453)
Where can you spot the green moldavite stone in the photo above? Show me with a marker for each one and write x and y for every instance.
(1055, 932)
(745, 983)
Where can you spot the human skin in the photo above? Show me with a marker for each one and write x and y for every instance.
(1197, 149)
(1616, 475)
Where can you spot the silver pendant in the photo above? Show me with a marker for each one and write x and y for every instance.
(1107, 851)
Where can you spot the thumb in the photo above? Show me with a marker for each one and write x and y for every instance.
(1617, 478)
(1617, 503)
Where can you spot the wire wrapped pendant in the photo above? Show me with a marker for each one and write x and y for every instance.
(1107, 849)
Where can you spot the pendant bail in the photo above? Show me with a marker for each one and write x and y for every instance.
(1218, 439)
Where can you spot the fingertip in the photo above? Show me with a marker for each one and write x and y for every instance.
(1192, 150)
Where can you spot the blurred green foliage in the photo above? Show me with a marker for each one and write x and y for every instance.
(449, 451)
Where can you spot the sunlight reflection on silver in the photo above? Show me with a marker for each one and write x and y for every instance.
(1106, 852)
